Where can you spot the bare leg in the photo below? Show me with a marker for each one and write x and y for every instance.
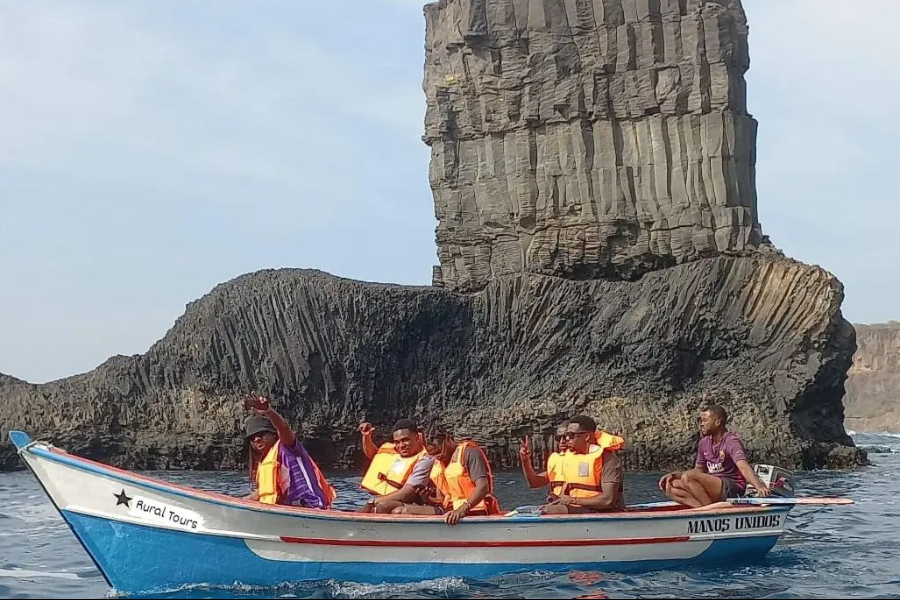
(384, 506)
(677, 491)
(414, 509)
(704, 487)
(697, 490)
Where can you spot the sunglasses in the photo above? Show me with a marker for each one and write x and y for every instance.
(435, 439)
(571, 434)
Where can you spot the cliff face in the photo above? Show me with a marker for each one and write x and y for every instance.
(587, 138)
(593, 178)
(873, 385)
(762, 336)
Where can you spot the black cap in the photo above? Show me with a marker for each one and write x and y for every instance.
(258, 424)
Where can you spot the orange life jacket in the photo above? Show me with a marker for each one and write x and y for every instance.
(270, 484)
(389, 471)
(437, 476)
(609, 441)
(456, 485)
(554, 464)
(581, 474)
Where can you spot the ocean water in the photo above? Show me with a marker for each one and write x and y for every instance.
(826, 552)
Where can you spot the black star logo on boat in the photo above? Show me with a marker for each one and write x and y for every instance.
(122, 498)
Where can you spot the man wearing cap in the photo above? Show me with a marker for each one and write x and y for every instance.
(284, 471)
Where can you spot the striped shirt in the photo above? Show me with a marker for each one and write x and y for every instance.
(303, 488)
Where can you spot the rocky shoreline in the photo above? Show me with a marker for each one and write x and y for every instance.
(642, 357)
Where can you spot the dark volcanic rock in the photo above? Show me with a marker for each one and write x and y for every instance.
(761, 335)
(591, 139)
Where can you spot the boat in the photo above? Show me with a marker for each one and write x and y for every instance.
(146, 535)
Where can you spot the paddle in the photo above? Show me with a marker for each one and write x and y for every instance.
(808, 500)
(771, 500)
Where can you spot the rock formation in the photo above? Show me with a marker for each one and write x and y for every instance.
(587, 138)
(763, 336)
(873, 386)
(600, 252)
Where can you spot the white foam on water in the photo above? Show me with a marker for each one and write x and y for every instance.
(889, 434)
(523, 578)
(22, 573)
(882, 442)
(444, 585)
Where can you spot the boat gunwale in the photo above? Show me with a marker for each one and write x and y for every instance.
(667, 512)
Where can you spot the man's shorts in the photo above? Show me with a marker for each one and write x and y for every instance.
(731, 489)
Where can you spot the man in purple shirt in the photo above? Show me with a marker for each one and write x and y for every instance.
(299, 480)
(721, 469)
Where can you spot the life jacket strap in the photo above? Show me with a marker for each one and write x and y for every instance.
(581, 486)
(393, 484)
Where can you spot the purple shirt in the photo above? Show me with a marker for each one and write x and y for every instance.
(721, 459)
(297, 469)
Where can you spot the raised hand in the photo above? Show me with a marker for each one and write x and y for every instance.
(525, 450)
(258, 404)
(366, 429)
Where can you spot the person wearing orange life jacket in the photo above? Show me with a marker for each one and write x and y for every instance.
(282, 470)
(462, 480)
(399, 471)
(550, 477)
(591, 472)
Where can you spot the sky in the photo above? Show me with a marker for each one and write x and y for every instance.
(152, 149)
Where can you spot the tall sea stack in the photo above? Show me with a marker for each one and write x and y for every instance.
(588, 139)
(600, 251)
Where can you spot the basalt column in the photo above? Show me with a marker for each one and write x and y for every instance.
(587, 138)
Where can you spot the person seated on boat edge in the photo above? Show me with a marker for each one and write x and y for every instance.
(592, 474)
(548, 477)
(462, 477)
(721, 469)
(463, 484)
(284, 472)
(398, 470)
